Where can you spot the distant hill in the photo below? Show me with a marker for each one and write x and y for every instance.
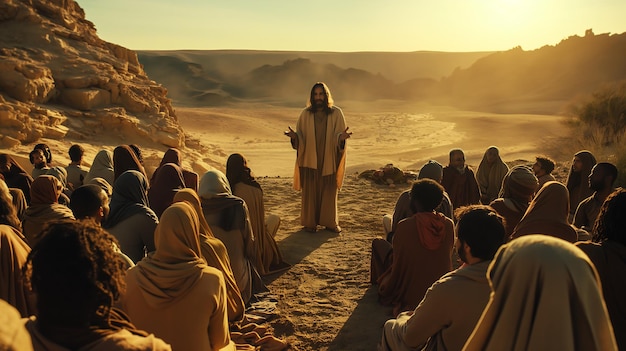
(216, 77)
(552, 75)
(537, 81)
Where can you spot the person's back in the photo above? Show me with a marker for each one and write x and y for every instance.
(77, 277)
(422, 249)
(608, 254)
(175, 322)
(173, 293)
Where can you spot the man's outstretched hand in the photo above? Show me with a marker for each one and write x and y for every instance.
(344, 135)
(291, 133)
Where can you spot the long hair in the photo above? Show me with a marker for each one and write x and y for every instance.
(611, 222)
(329, 98)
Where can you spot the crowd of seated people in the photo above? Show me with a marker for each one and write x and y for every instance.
(99, 258)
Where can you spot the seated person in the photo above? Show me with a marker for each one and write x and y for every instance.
(38, 160)
(75, 172)
(545, 295)
(451, 307)
(78, 278)
(421, 249)
(173, 293)
(430, 170)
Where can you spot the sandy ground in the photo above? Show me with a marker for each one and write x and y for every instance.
(325, 300)
(406, 135)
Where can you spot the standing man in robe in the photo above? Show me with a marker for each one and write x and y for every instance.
(320, 141)
(459, 181)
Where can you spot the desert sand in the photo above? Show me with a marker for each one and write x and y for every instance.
(325, 301)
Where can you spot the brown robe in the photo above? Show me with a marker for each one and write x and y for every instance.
(13, 253)
(462, 188)
(422, 250)
(547, 214)
(546, 295)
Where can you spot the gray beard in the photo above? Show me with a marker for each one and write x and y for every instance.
(460, 170)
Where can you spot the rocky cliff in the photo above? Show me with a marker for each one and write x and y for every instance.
(59, 80)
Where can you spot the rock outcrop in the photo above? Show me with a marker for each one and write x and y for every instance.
(58, 80)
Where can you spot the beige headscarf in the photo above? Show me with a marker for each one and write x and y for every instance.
(490, 175)
(13, 254)
(547, 214)
(546, 295)
(216, 255)
(176, 266)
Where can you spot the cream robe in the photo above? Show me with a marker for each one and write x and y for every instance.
(335, 157)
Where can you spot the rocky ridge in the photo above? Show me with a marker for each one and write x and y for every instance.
(59, 80)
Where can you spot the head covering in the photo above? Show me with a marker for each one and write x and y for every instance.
(519, 186)
(164, 186)
(13, 254)
(215, 254)
(172, 155)
(129, 198)
(490, 175)
(545, 296)
(46, 189)
(217, 197)
(237, 171)
(101, 167)
(16, 176)
(547, 214)
(578, 182)
(431, 170)
(125, 159)
(176, 265)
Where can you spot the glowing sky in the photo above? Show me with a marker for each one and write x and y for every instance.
(350, 25)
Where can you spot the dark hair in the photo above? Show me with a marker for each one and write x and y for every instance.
(427, 193)
(329, 98)
(611, 221)
(609, 169)
(46, 151)
(481, 228)
(76, 152)
(76, 274)
(454, 151)
(86, 200)
(8, 213)
(31, 155)
(237, 170)
(546, 163)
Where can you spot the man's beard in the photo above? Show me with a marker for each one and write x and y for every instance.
(40, 165)
(460, 169)
(320, 104)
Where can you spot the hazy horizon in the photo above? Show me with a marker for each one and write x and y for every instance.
(350, 26)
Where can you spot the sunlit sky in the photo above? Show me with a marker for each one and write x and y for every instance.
(350, 25)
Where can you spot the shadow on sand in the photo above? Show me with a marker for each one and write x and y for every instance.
(297, 246)
(365, 324)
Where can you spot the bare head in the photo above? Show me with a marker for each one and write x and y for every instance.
(320, 98)
(457, 159)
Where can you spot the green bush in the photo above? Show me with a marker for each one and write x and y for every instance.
(599, 122)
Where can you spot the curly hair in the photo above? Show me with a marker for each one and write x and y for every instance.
(611, 222)
(76, 274)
